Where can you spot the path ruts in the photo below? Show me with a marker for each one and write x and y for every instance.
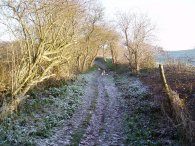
(98, 120)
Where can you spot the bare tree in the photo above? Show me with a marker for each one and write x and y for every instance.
(137, 31)
(113, 43)
(110, 42)
(90, 32)
(44, 31)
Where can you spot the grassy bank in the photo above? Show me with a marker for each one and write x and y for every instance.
(145, 124)
(41, 113)
(179, 111)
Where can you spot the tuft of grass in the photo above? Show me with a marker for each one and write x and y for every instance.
(79, 133)
(91, 69)
(110, 65)
(77, 136)
(138, 133)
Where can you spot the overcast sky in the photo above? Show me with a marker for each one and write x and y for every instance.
(175, 19)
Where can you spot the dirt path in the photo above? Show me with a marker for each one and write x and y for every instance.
(106, 125)
(98, 120)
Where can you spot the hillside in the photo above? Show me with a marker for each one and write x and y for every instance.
(187, 56)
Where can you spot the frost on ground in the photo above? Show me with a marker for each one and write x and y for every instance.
(145, 124)
(106, 125)
(63, 134)
(41, 114)
(131, 86)
(95, 110)
(99, 119)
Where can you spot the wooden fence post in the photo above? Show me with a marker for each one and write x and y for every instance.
(163, 78)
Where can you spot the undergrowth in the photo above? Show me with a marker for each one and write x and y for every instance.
(91, 69)
(110, 65)
(144, 122)
(40, 114)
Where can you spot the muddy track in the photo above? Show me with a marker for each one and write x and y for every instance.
(99, 119)
(106, 125)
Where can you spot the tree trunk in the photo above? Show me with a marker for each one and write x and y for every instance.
(113, 53)
(79, 62)
(84, 63)
(13, 105)
(137, 67)
(93, 57)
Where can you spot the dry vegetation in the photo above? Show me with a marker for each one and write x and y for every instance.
(178, 107)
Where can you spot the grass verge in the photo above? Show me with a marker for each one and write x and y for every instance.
(144, 121)
(41, 113)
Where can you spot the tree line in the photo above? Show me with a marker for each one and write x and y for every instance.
(58, 38)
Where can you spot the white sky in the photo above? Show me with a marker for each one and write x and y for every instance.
(174, 19)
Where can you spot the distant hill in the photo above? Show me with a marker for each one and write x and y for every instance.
(187, 56)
